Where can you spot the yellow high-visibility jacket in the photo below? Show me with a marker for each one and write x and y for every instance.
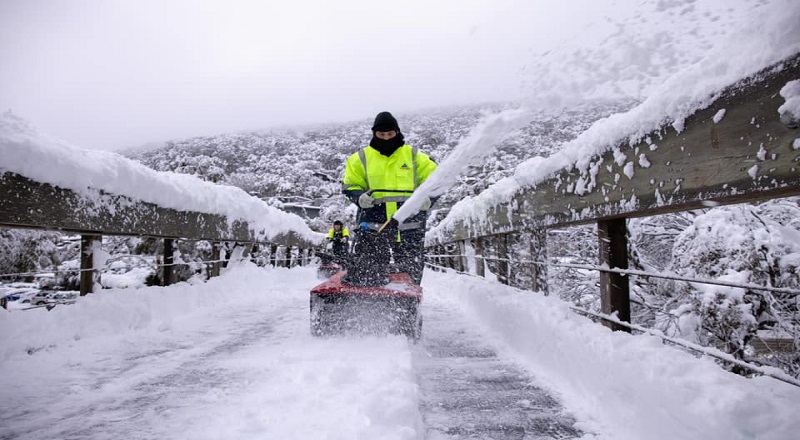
(403, 171)
(344, 233)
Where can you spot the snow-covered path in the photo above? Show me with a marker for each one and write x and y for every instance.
(233, 358)
(246, 369)
(254, 372)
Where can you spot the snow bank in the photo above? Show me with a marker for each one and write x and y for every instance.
(752, 36)
(632, 387)
(122, 311)
(43, 159)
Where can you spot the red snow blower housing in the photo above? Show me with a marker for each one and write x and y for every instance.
(368, 296)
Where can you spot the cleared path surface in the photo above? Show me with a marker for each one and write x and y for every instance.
(468, 392)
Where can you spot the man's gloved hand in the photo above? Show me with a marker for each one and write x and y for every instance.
(426, 204)
(366, 201)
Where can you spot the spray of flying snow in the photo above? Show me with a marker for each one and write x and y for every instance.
(634, 50)
(710, 48)
(478, 144)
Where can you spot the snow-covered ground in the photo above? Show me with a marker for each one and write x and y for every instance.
(233, 358)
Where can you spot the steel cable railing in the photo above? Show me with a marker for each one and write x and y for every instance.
(153, 266)
(637, 273)
(706, 351)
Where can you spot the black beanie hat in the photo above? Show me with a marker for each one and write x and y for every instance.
(385, 122)
(337, 222)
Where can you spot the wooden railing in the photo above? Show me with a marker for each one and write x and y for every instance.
(749, 155)
(25, 203)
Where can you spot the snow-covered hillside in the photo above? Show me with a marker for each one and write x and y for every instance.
(309, 162)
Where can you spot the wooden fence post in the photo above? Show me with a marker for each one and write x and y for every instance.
(288, 257)
(614, 287)
(452, 259)
(214, 266)
(461, 248)
(169, 261)
(480, 265)
(254, 253)
(538, 246)
(89, 274)
(503, 274)
(273, 255)
(433, 250)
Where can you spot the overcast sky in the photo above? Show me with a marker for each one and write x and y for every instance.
(113, 74)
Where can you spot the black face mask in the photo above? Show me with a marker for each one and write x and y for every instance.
(387, 147)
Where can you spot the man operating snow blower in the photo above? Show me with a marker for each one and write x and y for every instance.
(379, 178)
(369, 296)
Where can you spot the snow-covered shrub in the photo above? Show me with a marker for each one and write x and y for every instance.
(24, 251)
(650, 244)
(574, 245)
(718, 316)
(742, 244)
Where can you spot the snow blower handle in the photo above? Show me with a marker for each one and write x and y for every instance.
(389, 220)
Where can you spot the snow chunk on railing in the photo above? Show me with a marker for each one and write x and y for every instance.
(790, 110)
(719, 115)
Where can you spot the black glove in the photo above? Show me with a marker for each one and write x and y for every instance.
(393, 224)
